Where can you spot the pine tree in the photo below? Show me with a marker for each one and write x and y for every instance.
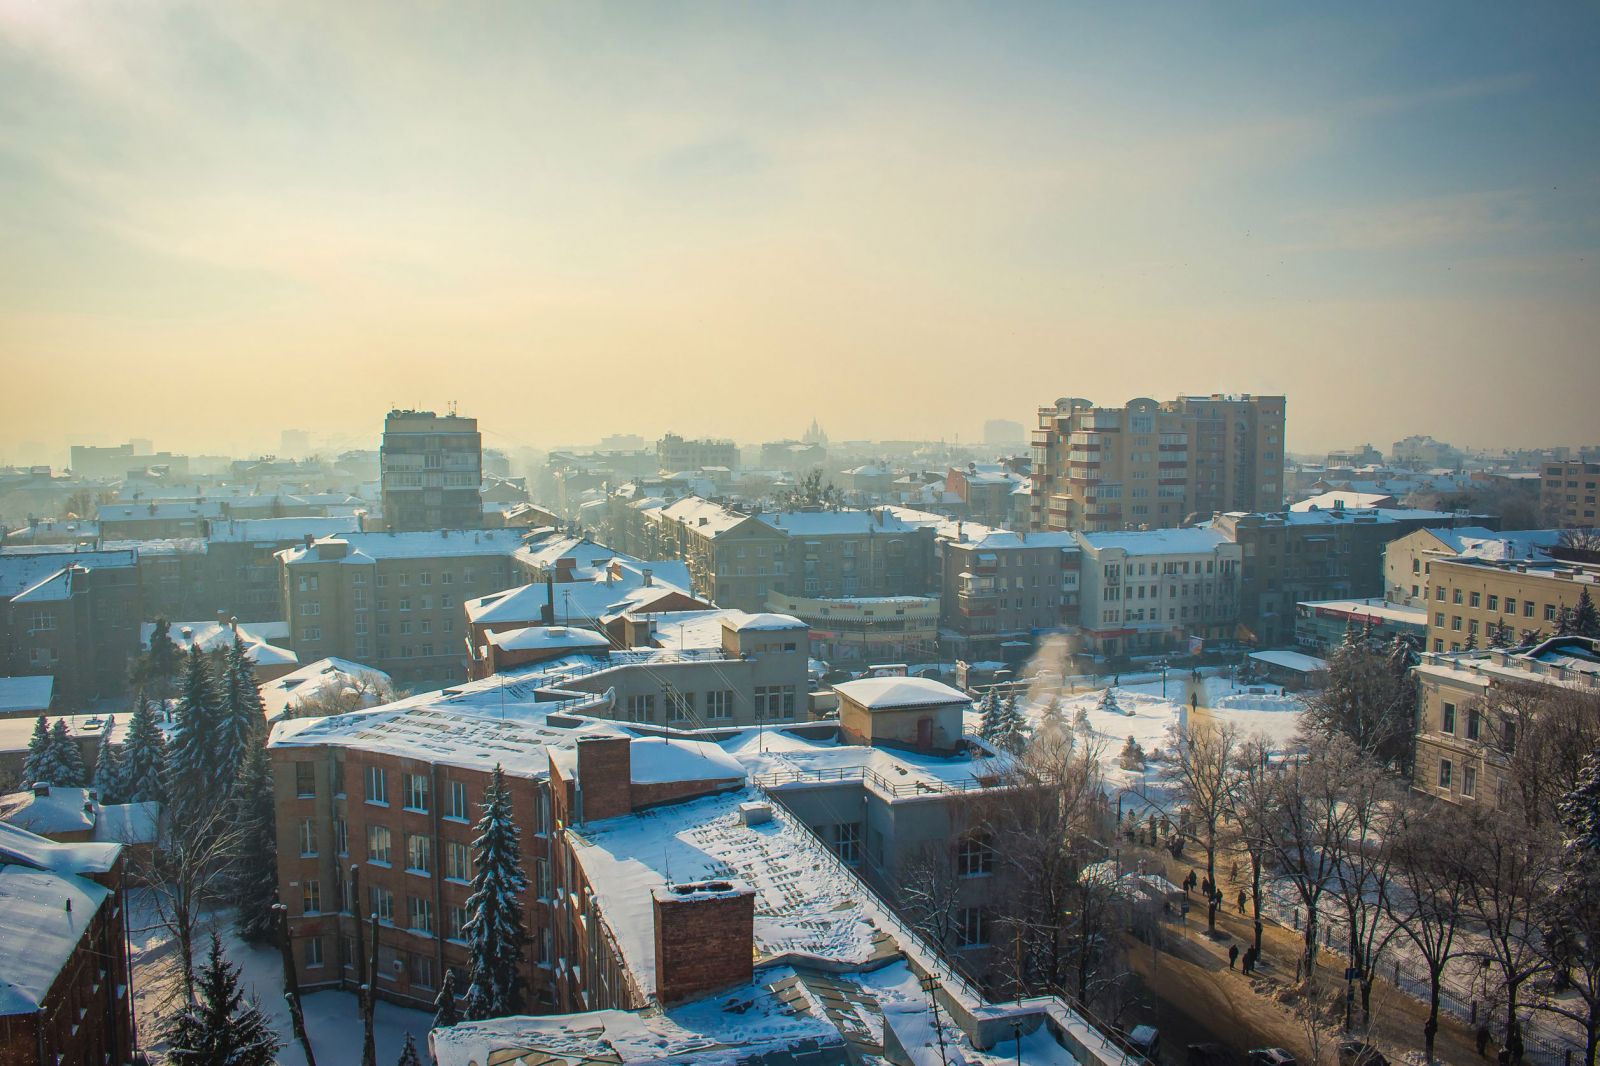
(1080, 721)
(109, 780)
(1566, 622)
(494, 931)
(1471, 644)
(192, 784)
(256, 875)
(219, 1028)
(65, 768)
(1010, 729)
(241, 718)
(1132, 757)
(38, 753)
(159, 664)
(989, 715)
(1108, 700)
(144, 755)
(408, 1054)
(444, 1004)
(1585, 619)
(1500, 634)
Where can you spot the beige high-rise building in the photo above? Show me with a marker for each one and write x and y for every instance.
(1150, 464)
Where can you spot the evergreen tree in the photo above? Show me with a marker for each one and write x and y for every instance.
(1585, 619)
(494, 930)
(157, 667)
(1080, 721)
(219, 1028)
(1471, 644)
(1010, 726)
(1500, 634)
(408, 1054)
(256, 875)
(1566, 622)
(241, 718)
(110, 782)
(192, 784)
(989, 715)
(1108, 700)
(66, 767)
(1132, 757)
(144, 755)
(444, 1004)
(38, 753)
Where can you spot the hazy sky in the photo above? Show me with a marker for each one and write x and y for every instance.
(219, 220)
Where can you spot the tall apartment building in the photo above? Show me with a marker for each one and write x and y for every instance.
(1154, 591)
(1150, 464)
(1469, 596)
(674, 454)
(393, 601)
(1567, 493)
(73, 615)
(1468, 721)
(431, 471)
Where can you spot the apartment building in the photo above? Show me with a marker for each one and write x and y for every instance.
(1151, 464)
(1000, 588)
(1290, 557)
(393, 600)
(1148, 592)
(1471, 712)
(73, 615)
(1408, 561)
(734, 559)
(431, 471)
(1472, 597)
(675, 454)
(844, 554)
(1567, 493)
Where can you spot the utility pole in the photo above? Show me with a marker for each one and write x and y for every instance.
(369, 1047)
(291, 982)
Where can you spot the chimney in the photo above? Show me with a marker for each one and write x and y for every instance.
(41, 789)
(309, 539)
(647, 577)
(547, 614)
(704, 932)
(605, 777)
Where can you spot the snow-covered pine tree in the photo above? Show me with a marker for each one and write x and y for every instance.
(1132, 757)
(444, 1004)
(219, 1028)
(240, 718)
(989, 715)
(1080, 721)
(1108, 700)
(159, 664)
(1500, 634)
(144, 754)
(408, 1054)
(38, 753)
(110, 783)
(1471, 644)
(66, 767)
(1566, 622)
(1585, 618)
(494, 930)
(256, 872)
(192, 784)
(1011, 727)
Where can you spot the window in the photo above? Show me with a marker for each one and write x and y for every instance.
(405, 603)
(377, 786)
(458, 922)
(1549, 612)
(378, 844)
(419, 914)
(1475, 600)
(974, 856)
(680, 705)
(847, 842)
(719, 705)
(1511, 606)
(541, 878)
(1444, 773)
(1469, 780)
(458, 861)
(1439, 593)
(419, 853)
(308, 837)
(313, 952)
(1494, 602)
(382, 903)
(1455, 596)
(416, 792)
(775, 701)
(305, 779)
(1527, 608)
(310, 896)
(1509, 732)
(1447, 718)
(972, 927)
(420, 970)
(311, 633)
(310, 609)
(1455, 622)
(1473, 723)
(642, 708)
(457, 805)
(341, 836)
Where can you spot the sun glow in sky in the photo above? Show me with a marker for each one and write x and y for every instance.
(219, 220)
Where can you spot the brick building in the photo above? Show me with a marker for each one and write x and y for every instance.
(73, 615)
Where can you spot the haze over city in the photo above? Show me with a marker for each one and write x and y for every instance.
(224, 219)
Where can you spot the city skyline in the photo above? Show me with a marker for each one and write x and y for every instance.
(225, 222)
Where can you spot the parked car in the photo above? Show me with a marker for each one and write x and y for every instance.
(1209, 1055)
(1270, 1056)
(1146, 1040)
(1355, 1053)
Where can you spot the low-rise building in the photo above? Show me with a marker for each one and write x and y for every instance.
(1408, 561)
(73, 615)
(1320, 625)
(1475, 599)
(1159, 590)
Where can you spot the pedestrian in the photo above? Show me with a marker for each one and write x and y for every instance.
(1241, 901)
(1249, 960)
(1483, 1039)
(1233, 955)
(1234, 873)
(1205, 887)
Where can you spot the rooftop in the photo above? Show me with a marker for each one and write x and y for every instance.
(1194, 540)
(428, 544)
(19, 695)
(890, 693)
(323, 677)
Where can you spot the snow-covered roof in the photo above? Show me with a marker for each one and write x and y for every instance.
(157, 511)
(43, 917)
(1510, 544)
(1291, 660)
(323, 677)
(15, 732)
(838, 523)
(53, 589)
(1338, 498)
(213, 636)
(888, 693)
(127, 823)
(743, 622)
(426, 544)
(1194, 540)
(702, 515)
(19, 695)
(552, 638)
(278, 530)
(593, 597)
(20, 847)
(1377, 610)
(62, 810)
(660, 760)
(20, 569)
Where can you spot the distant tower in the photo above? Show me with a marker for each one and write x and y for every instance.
(814, 434)
(431, 468)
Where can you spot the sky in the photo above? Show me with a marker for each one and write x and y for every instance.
(220, 220)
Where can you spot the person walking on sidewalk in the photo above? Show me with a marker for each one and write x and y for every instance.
(1233, 955)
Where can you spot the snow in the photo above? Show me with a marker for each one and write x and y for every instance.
(1291, 660)
(657, 760)
(15, 732)
(323, 677)
(1375, 609)
(128, 823)
(29, 849)
(43, 916)
(588, 599)
(550, 638)
(429, 544)
(1195, 540)
(741, 622)
(214, 635)
(888, 693)
(268, 531)
(23, 695)
(22, 569)
(779, 757)
(64, 810)
(836, 523)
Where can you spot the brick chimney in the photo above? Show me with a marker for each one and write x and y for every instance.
(705, 936)
(605, 778)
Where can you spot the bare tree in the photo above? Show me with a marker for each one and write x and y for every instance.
(928, 893)
(1253, 797)
(1371, 807)
(1431, 906)
(1205, 765)
(1546, 731)
(189, 871)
